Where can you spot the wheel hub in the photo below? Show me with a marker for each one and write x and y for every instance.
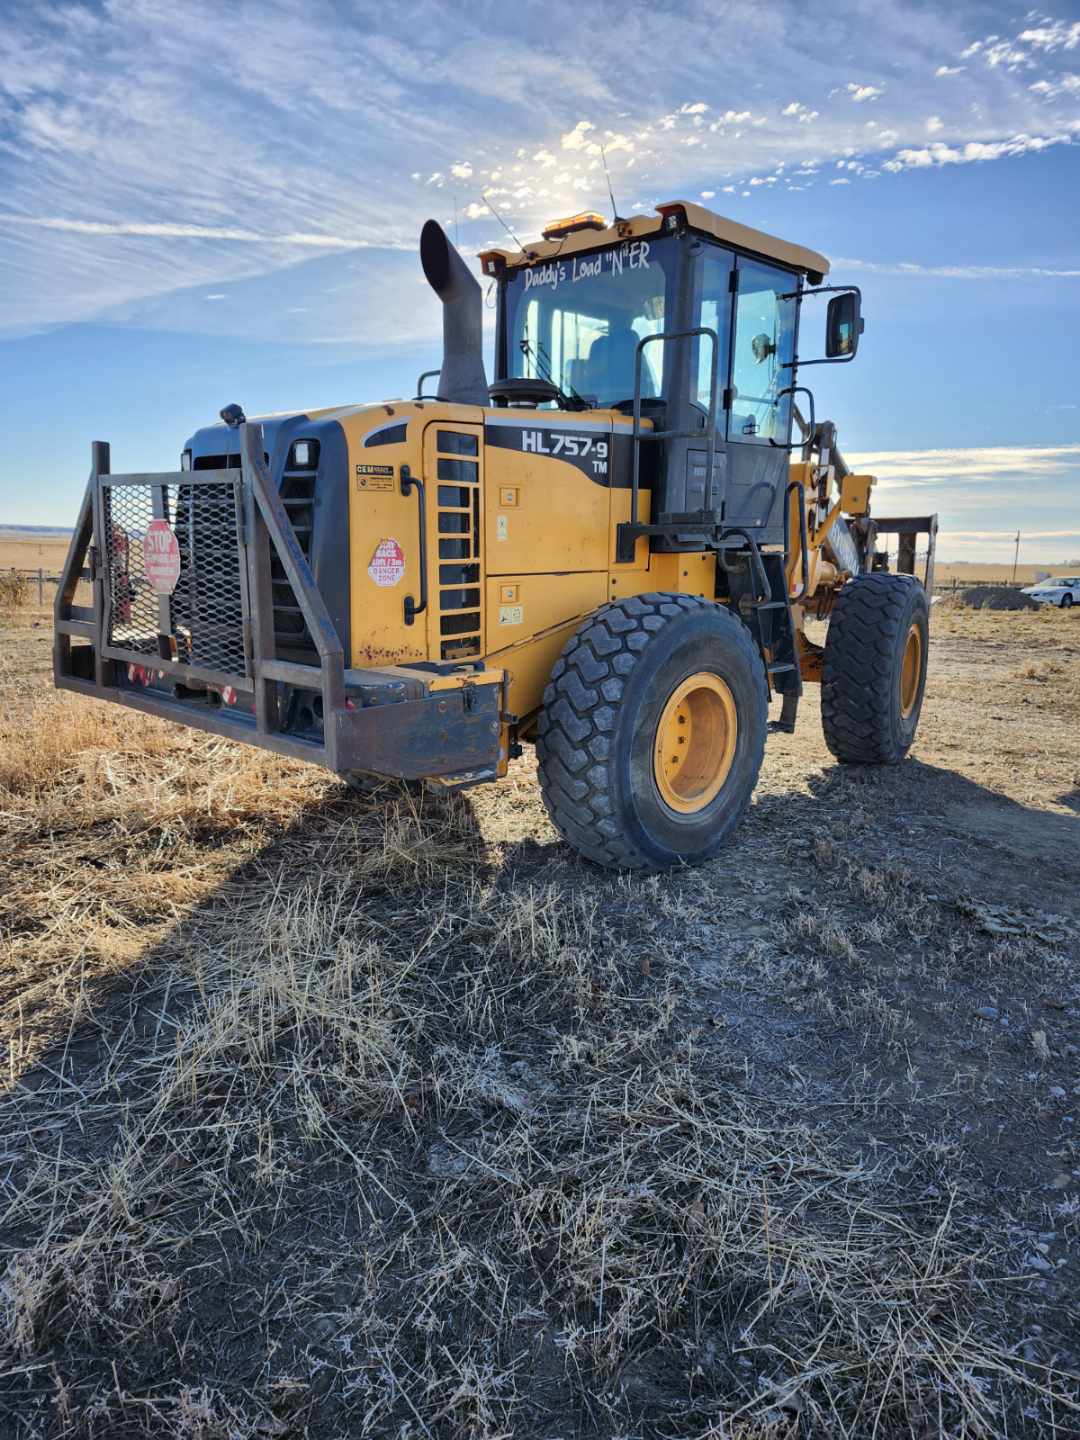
(910, 670)
(695, 742)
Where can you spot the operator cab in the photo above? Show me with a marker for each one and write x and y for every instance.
(684, 315)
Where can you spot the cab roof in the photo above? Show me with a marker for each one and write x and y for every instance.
(728, 232)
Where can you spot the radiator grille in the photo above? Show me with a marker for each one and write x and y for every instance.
(201, 623)
(457, 476)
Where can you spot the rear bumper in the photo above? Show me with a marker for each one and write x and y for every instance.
(441, 721)
(453, 735)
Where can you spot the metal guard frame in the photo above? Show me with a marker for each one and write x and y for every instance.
(264, 525)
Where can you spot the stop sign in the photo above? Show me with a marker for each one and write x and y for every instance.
(161, 557)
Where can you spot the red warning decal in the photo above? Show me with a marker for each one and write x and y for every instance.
(161, 557)
(388, 563)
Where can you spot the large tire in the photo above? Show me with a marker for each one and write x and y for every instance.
(652, 668)
(874, 672)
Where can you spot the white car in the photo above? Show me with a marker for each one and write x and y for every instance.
(1063, 590)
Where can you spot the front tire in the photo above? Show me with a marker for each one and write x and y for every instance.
(874, 672)
(1066, 602)
(652, 731)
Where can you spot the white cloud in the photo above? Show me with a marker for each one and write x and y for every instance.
(575, 139)
(215, 297)
(708, 194)
(843, 180)
(1052, 35)
(160, 231)
(958, 272)
(944, 71)
(733, 117)
(1068, 84)
(934, 123)
(974, 151)
(987, 463)
(136, 188)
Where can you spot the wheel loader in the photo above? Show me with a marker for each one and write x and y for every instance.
(610, 551)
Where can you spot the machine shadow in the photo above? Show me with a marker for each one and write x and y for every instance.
(395, 836)
(983, 826)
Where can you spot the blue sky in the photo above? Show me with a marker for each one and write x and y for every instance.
(201, 204)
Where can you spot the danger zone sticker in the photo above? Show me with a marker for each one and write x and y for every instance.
(387, 564)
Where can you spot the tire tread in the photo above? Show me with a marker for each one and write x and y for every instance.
(580, 712)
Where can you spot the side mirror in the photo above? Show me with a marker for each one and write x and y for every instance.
(843, 326)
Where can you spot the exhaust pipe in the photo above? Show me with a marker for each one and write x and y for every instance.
(462, 377)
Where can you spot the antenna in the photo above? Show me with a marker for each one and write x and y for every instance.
(502, 222)
(616, 218)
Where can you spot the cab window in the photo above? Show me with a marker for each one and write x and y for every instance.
(577, 320)
(713, 314)
(762, 351)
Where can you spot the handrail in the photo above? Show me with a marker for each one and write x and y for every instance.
(804, 538)
(410, 482)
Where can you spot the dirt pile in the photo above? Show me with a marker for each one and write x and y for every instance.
(995, 597)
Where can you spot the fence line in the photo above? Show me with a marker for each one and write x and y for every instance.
(945, 587)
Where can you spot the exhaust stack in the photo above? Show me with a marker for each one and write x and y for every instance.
(462, 377)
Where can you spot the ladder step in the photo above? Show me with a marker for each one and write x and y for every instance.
(778, 667)
(772, 605)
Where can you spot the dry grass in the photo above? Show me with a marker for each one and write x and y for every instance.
(332, 1116)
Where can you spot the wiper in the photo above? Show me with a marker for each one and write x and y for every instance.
(573, 395)
(543, 365)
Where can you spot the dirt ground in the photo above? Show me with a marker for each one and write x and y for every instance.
(329, 1116)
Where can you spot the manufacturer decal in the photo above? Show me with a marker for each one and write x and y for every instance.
(387, 564)
(374, 477)
(161, 557)
(502, 528)
(511, 614)
(588, 451)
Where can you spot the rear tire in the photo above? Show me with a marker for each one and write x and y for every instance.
(652, 731)
(874, 672)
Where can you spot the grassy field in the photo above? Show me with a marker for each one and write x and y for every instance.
(329, 1115)
(46, 554)
(976, 572)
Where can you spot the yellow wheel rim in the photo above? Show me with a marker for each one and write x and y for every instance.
(910, 670)
(695, 742)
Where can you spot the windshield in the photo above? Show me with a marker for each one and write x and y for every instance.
(577, 321)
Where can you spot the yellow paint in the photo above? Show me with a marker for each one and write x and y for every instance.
(559, 518)
(379, 635)
(689, 574)
(548, 604)
(695, 742)
(910, 669)
(855, 494)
